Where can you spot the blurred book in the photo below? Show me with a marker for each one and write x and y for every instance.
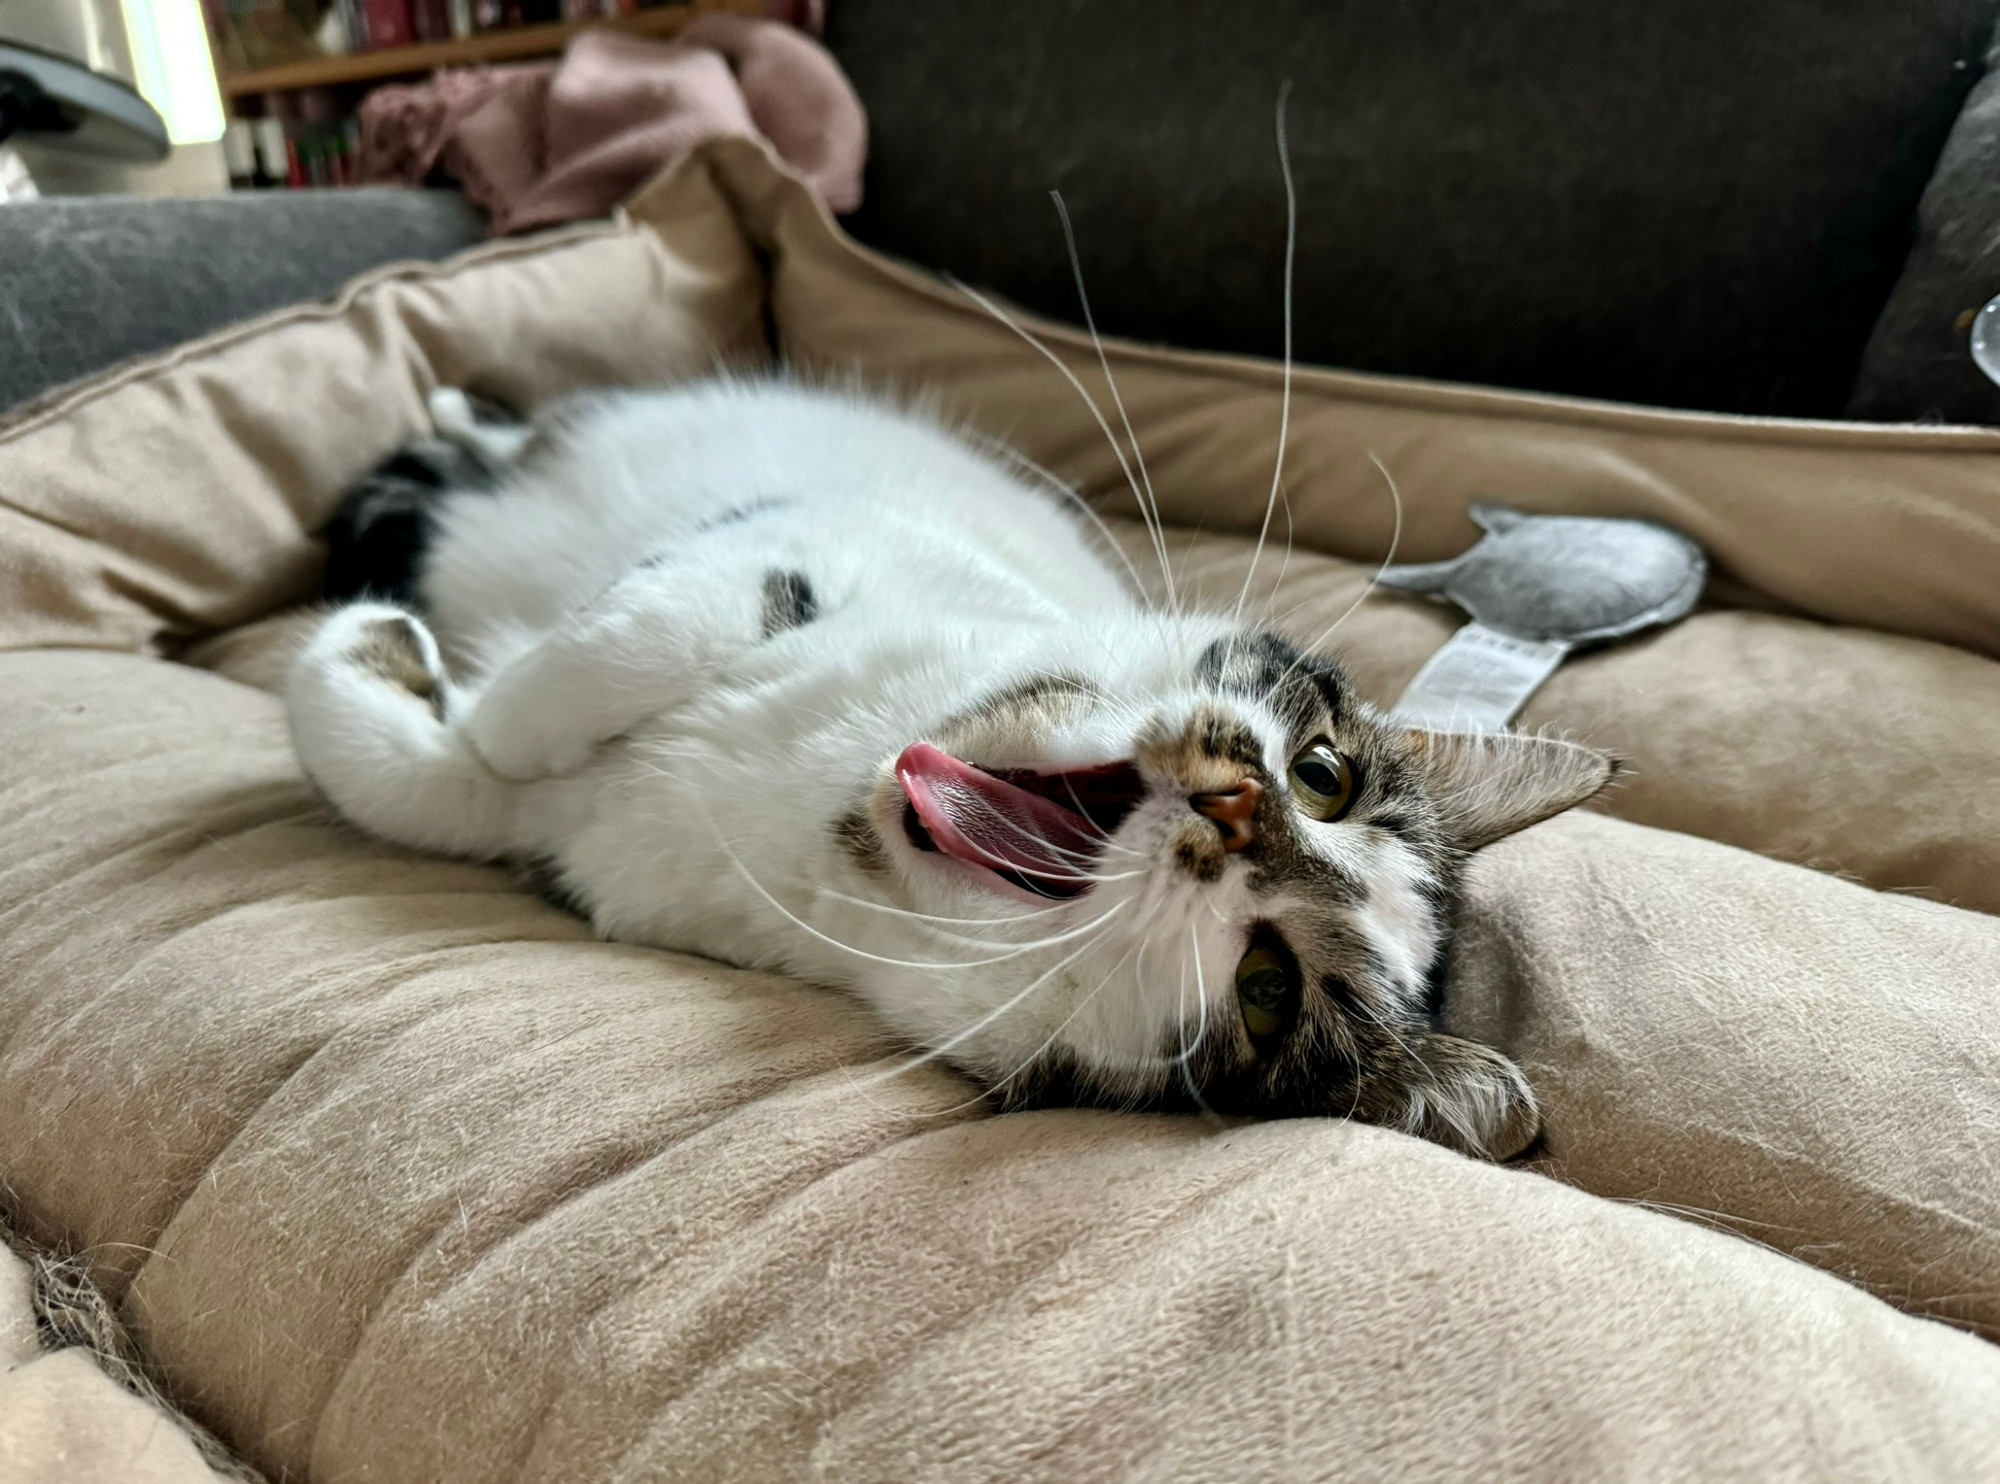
(431, 19)
(390, 23)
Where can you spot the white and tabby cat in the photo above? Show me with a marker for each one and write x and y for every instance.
(803, 682)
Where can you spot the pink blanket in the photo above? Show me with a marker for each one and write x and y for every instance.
(555, 141)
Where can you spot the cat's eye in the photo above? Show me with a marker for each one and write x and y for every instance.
(1267, 991)
(1324, 781)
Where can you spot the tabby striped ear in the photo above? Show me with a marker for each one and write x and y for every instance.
(1489, 784)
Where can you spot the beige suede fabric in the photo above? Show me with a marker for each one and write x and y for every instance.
(399, 1175)
(63, 1421)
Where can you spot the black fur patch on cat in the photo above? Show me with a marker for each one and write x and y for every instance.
(376, 540)
(382, 527)
(1264, 666)
(789, 602)
(858, 837)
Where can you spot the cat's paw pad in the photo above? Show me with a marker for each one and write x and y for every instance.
(384, 644)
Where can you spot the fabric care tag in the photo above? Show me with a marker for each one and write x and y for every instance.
(1536, 588)
(1478, 681)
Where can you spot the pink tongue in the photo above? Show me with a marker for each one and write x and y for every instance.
(989, 822)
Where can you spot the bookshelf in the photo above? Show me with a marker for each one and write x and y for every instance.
(511, 45)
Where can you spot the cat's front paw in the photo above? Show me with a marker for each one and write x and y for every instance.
(515, 734)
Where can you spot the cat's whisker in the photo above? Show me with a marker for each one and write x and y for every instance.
(1395, 540)
(1110, 843)
(1082, 859)
(897, 963)
(930, 921)
(1090, 513)
(960, 1036)
(1036, 1055)
(1285, 396)
(943, 927)
(873, 906)
(1201, 1031)
(1152, 500)
(1118, 452)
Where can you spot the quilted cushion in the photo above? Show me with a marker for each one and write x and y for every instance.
(397, 1173)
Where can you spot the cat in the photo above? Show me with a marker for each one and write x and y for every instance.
(805, 681)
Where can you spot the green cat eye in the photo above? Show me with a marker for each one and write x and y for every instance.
(1323, 781)
(1267, 990)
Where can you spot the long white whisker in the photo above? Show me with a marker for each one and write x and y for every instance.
(898, 963)
(1151, 505)
(1084, 858)
(1395, 540)
(1285, 397)
(1035, 1055)
(943, 1048)
(1201, 1030)
(1117, 451)
(1026, 916)
(1090, 513)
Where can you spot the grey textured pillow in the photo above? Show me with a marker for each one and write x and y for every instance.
(1917, 367)
(86, 282)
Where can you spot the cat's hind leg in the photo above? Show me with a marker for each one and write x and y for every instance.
(381, 531)
(367, 699)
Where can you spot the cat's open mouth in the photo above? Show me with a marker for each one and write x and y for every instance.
(1038, 833)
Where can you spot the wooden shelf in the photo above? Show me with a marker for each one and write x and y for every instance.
(492, 46)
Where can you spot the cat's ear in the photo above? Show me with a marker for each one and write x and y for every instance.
(1453, 1092)
(1490, 784)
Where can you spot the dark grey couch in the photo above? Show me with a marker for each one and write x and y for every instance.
(1710, 204)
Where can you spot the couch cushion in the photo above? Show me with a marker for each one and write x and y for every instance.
(397, 1171)
(1697, 205)
(1919, 366)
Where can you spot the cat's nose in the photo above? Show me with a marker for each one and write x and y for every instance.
(1233, 809)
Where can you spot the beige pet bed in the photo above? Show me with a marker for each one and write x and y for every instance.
(395, 1174)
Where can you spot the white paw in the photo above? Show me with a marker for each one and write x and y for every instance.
(366, 693)
(452, 416)
(515, 738)
(375, 645)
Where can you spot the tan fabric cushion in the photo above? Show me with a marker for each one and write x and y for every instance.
(401, 1175)
(63, 1421)
(173, 498)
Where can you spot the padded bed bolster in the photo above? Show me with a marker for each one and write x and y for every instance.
(397, 1173)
